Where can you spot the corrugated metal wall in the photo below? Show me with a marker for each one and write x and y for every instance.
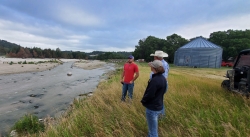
(199, 57)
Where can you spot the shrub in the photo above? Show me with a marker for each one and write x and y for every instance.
(25, 62)
(41, 62)
(20, 62)
(53, 61)
(11, 63)
(28, 124)
(31, 63)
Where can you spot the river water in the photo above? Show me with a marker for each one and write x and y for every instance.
(47, 93)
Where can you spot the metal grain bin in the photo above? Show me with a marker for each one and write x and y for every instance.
(199, 53)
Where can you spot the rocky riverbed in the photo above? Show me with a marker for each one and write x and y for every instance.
(47, 92)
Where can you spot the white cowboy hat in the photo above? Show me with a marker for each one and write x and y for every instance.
(159, 53)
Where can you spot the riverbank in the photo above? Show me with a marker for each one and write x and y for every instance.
(19, 65)
(195, 106)
(45, 93)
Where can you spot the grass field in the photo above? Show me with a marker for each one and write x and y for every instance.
(195, 103)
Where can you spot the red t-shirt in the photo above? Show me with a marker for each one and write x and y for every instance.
(129, 70)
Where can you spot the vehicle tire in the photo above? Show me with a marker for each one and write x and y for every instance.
(225, 84)
(247, 96)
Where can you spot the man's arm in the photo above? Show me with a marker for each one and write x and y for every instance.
(136, 76)
(136, 71)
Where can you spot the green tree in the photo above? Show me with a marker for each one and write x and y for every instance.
(174, 42)
(58, 53)
(37, 52)
(47, 53)
(15, 49)
(149, 45)
(232, 41)
(110, 55)
(2, 50)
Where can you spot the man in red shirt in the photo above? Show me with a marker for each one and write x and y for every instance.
(129, 75)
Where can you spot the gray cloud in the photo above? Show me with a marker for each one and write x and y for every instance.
(114, 25)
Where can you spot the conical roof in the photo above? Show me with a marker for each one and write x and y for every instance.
(200, 42)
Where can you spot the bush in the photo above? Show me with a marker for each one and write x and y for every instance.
(31, 63)
(11, 63)
(53, 61)
(28, 124)
(25, 62)
(20, 62)
(41, 62)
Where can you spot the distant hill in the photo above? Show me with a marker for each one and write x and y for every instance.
(13, 50)
(6, 47)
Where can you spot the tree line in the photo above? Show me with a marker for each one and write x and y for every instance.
(13, 50)
(232, 42)
(35, 52)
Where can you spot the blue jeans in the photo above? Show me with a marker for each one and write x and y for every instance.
(127, 88)
(152, 120)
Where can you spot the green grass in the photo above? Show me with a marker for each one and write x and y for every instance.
(28, 124)
(195, 105)
(31, 62)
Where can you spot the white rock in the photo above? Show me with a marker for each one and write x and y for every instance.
(13, 133)
(69, 73)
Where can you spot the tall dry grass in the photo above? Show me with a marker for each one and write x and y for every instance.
(195, 105)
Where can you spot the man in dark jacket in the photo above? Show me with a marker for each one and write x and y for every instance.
(153, 97)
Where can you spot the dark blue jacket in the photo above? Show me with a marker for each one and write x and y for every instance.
(153, 96)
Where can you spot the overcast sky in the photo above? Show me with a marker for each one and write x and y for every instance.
(115, 25)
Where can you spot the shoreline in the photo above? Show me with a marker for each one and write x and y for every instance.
(15, 65)
(8, 69)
